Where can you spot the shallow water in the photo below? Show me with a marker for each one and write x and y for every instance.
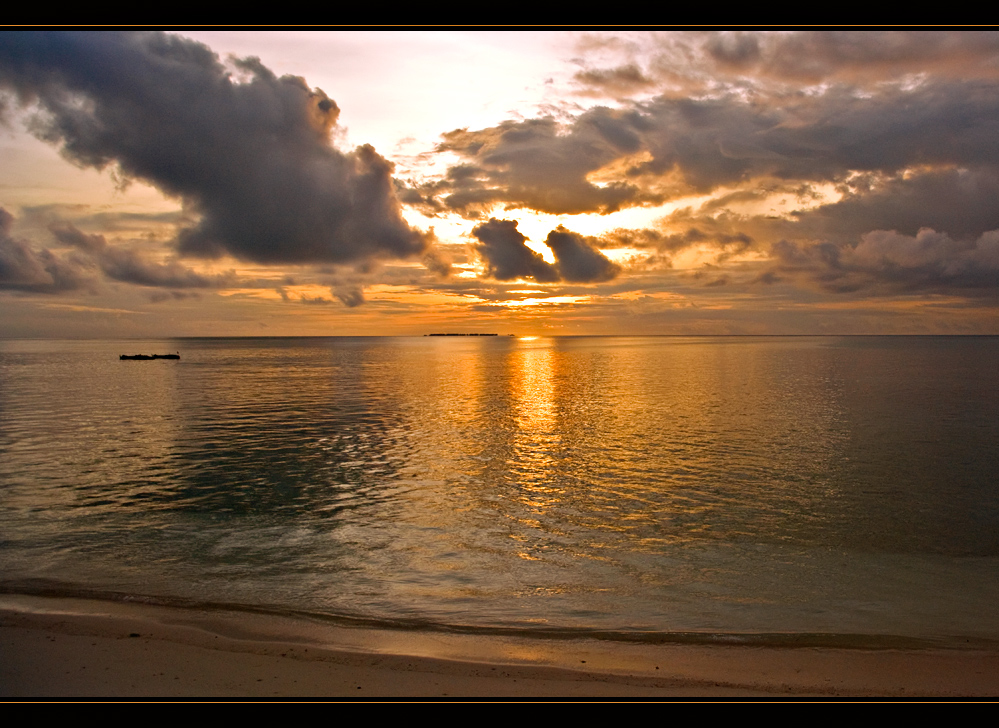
(662, 485)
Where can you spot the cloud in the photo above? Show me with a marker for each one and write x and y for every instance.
(349, 296)
(693, 63)
(915, 167)
(727, 141)
(620, 80)
(961, 201)
(673, 146)
(929, 261)
(69, 234)
(699, 230)
(736, 50)
(253, 159)
(131, 265)
(576, 258)
(161, 296)
(507, 256)
(437, 262)
(539, 164)
(815, 56)
(30, 270)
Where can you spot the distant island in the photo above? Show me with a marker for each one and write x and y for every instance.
(463, 334)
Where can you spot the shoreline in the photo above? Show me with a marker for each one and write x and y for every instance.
(74, 648)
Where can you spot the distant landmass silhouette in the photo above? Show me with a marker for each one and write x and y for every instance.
(147, 357)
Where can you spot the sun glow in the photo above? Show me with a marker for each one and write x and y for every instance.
(549, 301)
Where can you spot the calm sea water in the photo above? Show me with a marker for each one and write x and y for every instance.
(637, 486)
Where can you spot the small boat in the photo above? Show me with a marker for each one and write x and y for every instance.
(147, 357)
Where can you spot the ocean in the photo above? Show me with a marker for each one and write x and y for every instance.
(829, 489)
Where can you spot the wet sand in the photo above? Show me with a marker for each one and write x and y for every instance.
(76, 648)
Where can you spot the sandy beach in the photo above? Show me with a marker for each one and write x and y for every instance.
(74, 648)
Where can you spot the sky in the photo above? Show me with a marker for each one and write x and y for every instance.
(246, 183)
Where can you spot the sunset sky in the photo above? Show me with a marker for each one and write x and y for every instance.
(537, 182)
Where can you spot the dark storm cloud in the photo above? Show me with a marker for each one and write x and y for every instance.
(252, 158)
(507, 257)
(30, 270)
(576, 258)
